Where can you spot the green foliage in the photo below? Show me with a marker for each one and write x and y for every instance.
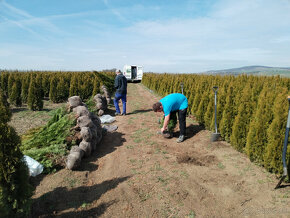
(5, 113)
(48, 144)
(4, 82)
(172, 122)
(276, 133)
(25, 87)
(257, 138)
(15, 191)
(242, 120)
(53, 89)
(34, 100)
(15, 96)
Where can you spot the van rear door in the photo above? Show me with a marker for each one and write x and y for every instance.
(139, 72)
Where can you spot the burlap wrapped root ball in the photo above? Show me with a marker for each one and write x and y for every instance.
(81, 111)
(101, 104)
(85, 121)
(106, 94)
(73, 160)
(86, 147)
(74, 101)
(86, 134)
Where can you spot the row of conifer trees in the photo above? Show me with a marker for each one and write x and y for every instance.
(251, 110)
(32, 87)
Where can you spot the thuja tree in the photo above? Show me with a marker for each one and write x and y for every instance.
(53, 90)
(97, 85)
(228, 116)
(45, 83)
(34, 96)
(242, 120)
(74, 86)
(61, 90)
(5, 113)
(15, 95)
(4, 82)
(257, 138)
(25, 87)
(272, 159)
(15, 191)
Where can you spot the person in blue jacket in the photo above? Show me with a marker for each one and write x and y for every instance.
(170, 103)
(121, 92)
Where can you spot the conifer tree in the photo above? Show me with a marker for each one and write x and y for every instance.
(53, 89)
(276, 133)
(34, 100)
(257, 138)
(45, 84)
(97, 85)
(25, 87)
(241, 123)
(15, 191)
(5, 113)
(15, 96)
(11, 80)
(4, 82)
(74, 86)
(61, 90)
(228, 116)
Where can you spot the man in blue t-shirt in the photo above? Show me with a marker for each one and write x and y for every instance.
(170, 103)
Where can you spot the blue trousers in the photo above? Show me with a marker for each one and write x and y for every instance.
(116, 102)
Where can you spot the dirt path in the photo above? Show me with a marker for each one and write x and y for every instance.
(137, 173)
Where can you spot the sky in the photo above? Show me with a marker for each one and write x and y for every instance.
(173, 36)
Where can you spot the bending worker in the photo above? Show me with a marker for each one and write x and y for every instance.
(170, 103)
(121, 92)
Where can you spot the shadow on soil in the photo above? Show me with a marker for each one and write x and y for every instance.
(62, 198)
(192, 130)
(109, 143)
(139, 111)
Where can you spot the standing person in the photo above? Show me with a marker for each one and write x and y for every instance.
(170, 103)
(121, 92)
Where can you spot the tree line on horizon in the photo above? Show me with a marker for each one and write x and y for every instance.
(251, 110)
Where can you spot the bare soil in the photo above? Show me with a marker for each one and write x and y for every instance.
(138, 173)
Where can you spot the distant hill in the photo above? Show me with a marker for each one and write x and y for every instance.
(253, 70)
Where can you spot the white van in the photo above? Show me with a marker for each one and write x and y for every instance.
(133, 72)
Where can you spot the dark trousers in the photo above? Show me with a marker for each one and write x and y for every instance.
(182, 121)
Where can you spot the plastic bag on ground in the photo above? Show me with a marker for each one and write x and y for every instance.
(110, 128)
(35, 168)
(107, 119)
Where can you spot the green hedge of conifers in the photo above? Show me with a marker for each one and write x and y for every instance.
(32, 87)
(251, 110)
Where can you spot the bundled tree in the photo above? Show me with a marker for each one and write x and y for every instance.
(34, 96)
(15, 191)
